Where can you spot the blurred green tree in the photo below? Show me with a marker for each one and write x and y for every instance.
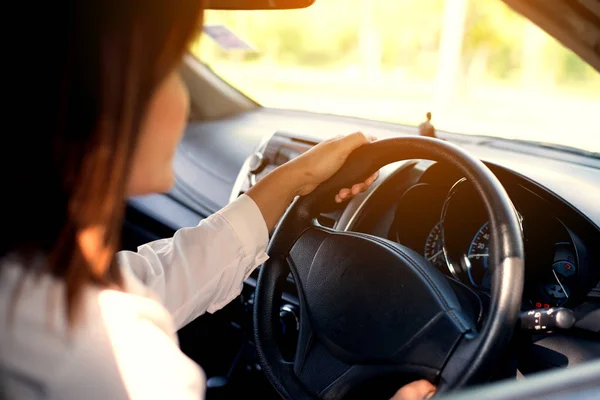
(328, 35)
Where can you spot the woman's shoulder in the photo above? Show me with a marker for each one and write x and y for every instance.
(122, 344)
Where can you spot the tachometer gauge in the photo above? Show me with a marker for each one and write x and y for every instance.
(434, 252)
(478, 255)
(555, 288)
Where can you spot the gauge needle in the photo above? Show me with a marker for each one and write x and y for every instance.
(560, 283)
(478, 255)
(435, 255)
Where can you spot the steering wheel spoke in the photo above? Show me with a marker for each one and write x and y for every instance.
(315, 366)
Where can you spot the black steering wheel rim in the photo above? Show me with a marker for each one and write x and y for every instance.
(473, 356)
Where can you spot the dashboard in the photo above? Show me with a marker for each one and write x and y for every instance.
(431, 208)
(421, 204)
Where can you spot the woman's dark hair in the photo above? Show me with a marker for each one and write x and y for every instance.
(85, 83)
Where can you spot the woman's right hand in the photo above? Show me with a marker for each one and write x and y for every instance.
(417, 390)
(274, 193)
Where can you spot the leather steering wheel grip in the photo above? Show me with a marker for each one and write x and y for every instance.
(475, 355)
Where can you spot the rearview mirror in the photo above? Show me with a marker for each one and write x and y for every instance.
(256, 4)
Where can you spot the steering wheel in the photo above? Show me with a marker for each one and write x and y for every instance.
(371, 309)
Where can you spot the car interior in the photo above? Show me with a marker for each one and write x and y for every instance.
(473, 261)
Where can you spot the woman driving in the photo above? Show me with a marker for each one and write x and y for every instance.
(80, 321)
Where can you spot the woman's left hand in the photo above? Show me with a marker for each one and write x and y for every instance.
(322, 161)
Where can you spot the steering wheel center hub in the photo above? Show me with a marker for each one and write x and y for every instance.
(367, 297)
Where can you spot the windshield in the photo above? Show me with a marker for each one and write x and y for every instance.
(478, 66)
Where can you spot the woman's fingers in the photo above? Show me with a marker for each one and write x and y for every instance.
(418, 390)
(375, 176)
(342, 195)
(372, 179)
(345, 193)
(353, 141)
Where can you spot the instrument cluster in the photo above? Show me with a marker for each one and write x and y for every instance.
(448, 225)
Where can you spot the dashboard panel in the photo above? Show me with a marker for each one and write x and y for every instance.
(406, 205)
(413, 197)
(556, 193)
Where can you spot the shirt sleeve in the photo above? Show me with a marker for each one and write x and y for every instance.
(202, 268)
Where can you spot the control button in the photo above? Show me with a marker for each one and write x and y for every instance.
(256, 162)
(547, 319)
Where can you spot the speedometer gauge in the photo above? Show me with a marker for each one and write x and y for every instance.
(434, 252)
(478, 255)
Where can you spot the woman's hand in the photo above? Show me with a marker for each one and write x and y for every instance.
(417, 390)
(273, 193)
(325, 159)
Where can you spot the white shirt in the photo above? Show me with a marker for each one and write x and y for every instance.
(125, 345)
